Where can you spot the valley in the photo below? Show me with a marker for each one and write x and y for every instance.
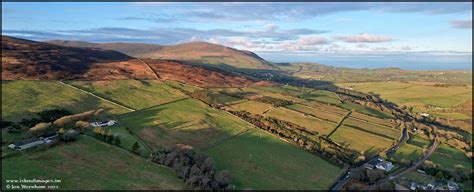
(270, 126)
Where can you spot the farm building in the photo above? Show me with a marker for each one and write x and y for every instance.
(25, 144)
(384, 165)
(379, 163)
(103, 123)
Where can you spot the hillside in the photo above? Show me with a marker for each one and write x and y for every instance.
(200, 52)
(31, 60)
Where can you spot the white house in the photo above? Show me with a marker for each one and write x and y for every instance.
(103, 123)
(384, 165)
(425, 115)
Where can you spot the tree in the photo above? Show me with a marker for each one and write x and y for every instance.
(109, 137)
(439, 175)
(135, 147)
(117, 140)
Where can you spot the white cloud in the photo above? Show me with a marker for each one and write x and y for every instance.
(461, 24)
(364, 38)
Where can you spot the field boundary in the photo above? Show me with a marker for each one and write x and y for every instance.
(169, 102)
(97, 96)
(311, 115)
(149, 67)
(339, 124)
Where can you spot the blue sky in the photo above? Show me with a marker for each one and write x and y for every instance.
(409, 32)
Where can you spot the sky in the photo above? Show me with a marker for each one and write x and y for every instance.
(406, 35)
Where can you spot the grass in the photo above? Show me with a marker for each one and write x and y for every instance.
(333, 117)
(418, 141)
(253, 107)
(388, 132)
(418, 94)
(258, 160)
(136, 94)
(321, 96)
(448, 157)
(90, 164)
(310, 123)
(127, 139)
(372, 119)
(23, 98)
(225, 99)
(365, 110)
(360, 140)
(408, 152)
(187, 121)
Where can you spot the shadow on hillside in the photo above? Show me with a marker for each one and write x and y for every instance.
(272, 75)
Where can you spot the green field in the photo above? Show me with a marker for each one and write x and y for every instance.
(360, 140)
(187, 121)
(310, 123)
(365, 110)
(418, 95)
(132, 93)
(417, 141)
(127, 139)
(258, 160)
(253, 107)
(327, 108)
(90, 164)
(333, 117)
(321, 96)
(22, 98)
(372, 119)
(407, 152)
(448, 157)
(383, 131)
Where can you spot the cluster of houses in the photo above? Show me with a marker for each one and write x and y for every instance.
(435, 186)
(379, 163)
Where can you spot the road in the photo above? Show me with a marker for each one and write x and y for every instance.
(343, 180)
(432, 149)
(402, 140)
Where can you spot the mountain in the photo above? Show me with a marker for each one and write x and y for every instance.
(199, 52)
(31, 60)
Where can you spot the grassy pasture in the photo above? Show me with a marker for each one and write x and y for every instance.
(132, 93)
(253, 107)
(90, 164)
(372, 119)
(365, 110)
(187, 121)
(258, 160)
(310, 123)
(321, 96)
(419, 94)
(360, 140)
(418, 141)
(374, 129)
(225, 99)
(448, 157)
(327, 108)
(316, 112)
(23, 98)
(408, 152)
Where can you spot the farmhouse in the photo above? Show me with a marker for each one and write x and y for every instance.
(103, 123)
(384, 165)
(25, 144)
